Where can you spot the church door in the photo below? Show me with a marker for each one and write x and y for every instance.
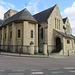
(58, 44)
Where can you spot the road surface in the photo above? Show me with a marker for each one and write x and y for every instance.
(10, 65)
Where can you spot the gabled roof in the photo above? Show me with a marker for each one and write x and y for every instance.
(64, 20)
(44, 15)
(66, 35)
(22, 15)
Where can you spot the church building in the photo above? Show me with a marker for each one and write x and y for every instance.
(55, 33)
(18, 31)
(43, 32)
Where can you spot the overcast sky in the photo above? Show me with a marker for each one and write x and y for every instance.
(66, 7)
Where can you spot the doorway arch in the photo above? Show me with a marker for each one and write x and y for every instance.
(58, 44)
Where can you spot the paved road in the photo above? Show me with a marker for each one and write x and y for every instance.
(10, 65)
(57, 71)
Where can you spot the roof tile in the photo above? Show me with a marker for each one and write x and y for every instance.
(44, 15)
(22, 15)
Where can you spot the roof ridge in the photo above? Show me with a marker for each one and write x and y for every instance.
(44, 10)
(21, 12)
(28, 12)
(15, 14)
(22, 15)
(43, 15)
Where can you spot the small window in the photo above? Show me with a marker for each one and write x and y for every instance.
(31, 33)
(11, 34)
(55, 22)
(19, 32)
(41, 33)
(59, 24)
(68, 41)
(5, 35)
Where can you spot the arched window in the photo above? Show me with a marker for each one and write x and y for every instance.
(59, 24)
(5, 35)
(31, 33)
(68, 41)
(41, 33)
(11, 34)
(55, 22)
(19, 33)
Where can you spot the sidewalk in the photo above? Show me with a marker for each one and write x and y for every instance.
(37, 56)
(23, 55)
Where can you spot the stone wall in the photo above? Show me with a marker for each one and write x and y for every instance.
(49, 34)
(19, 26)
(25, 36)
(9, 13)
(69, 46)
(68, 27)
(51, 26)
(27, 27)
(10, 39)
(43, 40)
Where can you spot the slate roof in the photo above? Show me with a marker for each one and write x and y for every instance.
(44, 15)
(22, 15)
(1, 21)
(64, 20)
(66, 35)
